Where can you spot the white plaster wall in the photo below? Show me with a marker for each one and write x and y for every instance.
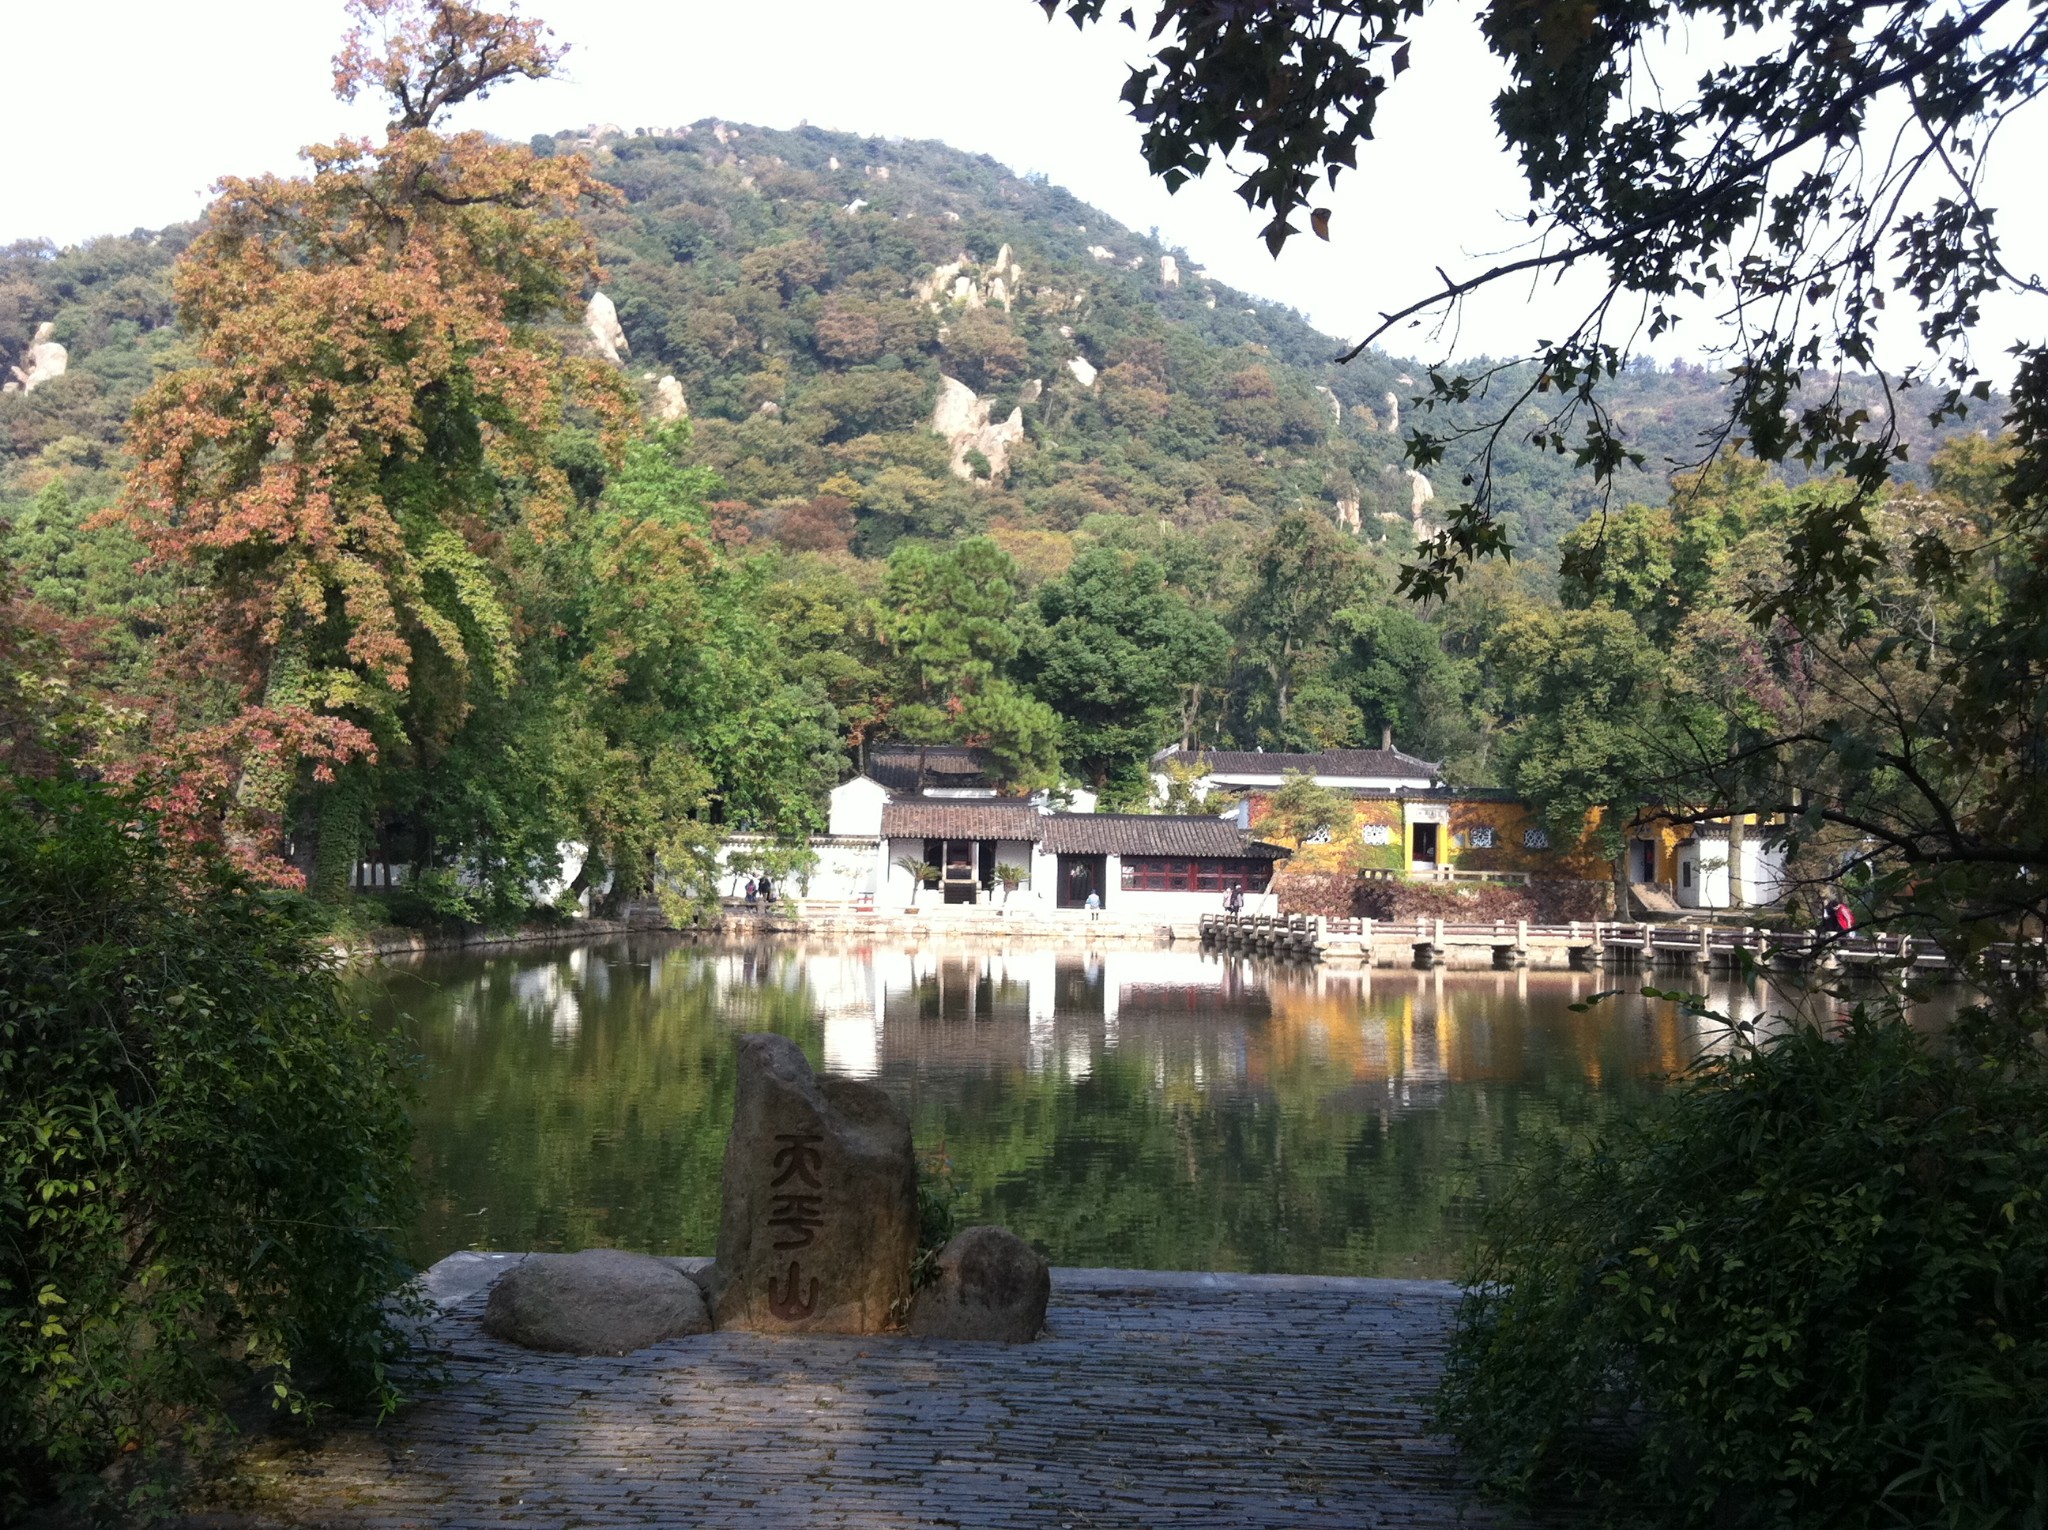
(856, 808)
(1764, 879)
(845, 869)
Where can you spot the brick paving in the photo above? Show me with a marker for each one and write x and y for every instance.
(1155, 1399)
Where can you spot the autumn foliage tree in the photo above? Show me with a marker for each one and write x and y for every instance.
(375, 388)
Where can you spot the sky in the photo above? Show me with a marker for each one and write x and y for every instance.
(125, 111)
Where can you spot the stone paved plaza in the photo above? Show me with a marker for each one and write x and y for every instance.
(1156, 1399)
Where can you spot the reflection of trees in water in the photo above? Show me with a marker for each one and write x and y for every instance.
(1170, 1109)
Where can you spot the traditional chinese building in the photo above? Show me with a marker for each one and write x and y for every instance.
(1407, 822)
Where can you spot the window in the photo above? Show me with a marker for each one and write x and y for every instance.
(1317, 837)
(1685, 874)
(1480, 838)
(1159, 874)
(1376, 834)
(1535, 839)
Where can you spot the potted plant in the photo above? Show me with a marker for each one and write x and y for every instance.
(920, 873)
(1010, 876)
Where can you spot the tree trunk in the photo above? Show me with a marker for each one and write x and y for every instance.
(340, 843)
(1736, 836)
(1621, 881)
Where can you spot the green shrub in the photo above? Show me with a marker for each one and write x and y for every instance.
(204, 1172)
(937, 1194)
(1809, 1288)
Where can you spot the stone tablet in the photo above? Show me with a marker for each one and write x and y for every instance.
(992, 1286)
(819, 1224)
(602, 1301)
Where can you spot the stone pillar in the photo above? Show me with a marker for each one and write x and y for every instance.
(819, 1224)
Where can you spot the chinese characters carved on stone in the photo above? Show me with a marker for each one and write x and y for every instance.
(795, 1214)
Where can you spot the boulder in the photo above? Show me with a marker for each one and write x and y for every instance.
(1083, 370)
(669, 403)
(1393, 414)
(963, 282)
(43, 360)
(1420, 492)
(1169, 271)
(992, 1287)
(819, 1223)
(962, 417)
(601, 320)
(602, 1301)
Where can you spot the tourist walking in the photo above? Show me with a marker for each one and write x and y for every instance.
(751, 890)
(1836, 918)
(767, 895)
(1233, 901)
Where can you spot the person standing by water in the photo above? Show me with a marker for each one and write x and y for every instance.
(767, 895)
(751, 890)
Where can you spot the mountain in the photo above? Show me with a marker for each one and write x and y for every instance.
(809, 290)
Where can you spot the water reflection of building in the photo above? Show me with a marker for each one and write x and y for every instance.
(1400, 1039)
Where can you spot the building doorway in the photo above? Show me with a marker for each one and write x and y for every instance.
(1080, 875)
(1646, 870)
(1425, 845)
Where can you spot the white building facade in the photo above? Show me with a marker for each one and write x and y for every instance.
(1704, 862)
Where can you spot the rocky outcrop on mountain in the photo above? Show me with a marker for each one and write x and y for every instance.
(669, 403)
(1083, 370)
(1336, 406)
(43, 360)
(1169, 271)
(601, 320)
(1347, 512)
(1393, 414)
(971, 285)
(1420, 494)
(961, 416)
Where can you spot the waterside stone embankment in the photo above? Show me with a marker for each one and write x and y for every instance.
(739, 923)
(1153, 1399)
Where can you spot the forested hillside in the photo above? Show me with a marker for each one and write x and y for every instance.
(963, 459)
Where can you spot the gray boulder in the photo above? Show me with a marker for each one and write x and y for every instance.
(602, 1301)
(819, 1223)
(992, 1286)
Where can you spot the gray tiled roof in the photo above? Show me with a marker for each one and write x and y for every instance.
(1383, 763)
(973, 818)
(914, 767)
(1150, 834)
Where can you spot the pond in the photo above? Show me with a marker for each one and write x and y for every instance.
(1157, 1109)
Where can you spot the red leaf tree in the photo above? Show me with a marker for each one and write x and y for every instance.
(379, 371)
